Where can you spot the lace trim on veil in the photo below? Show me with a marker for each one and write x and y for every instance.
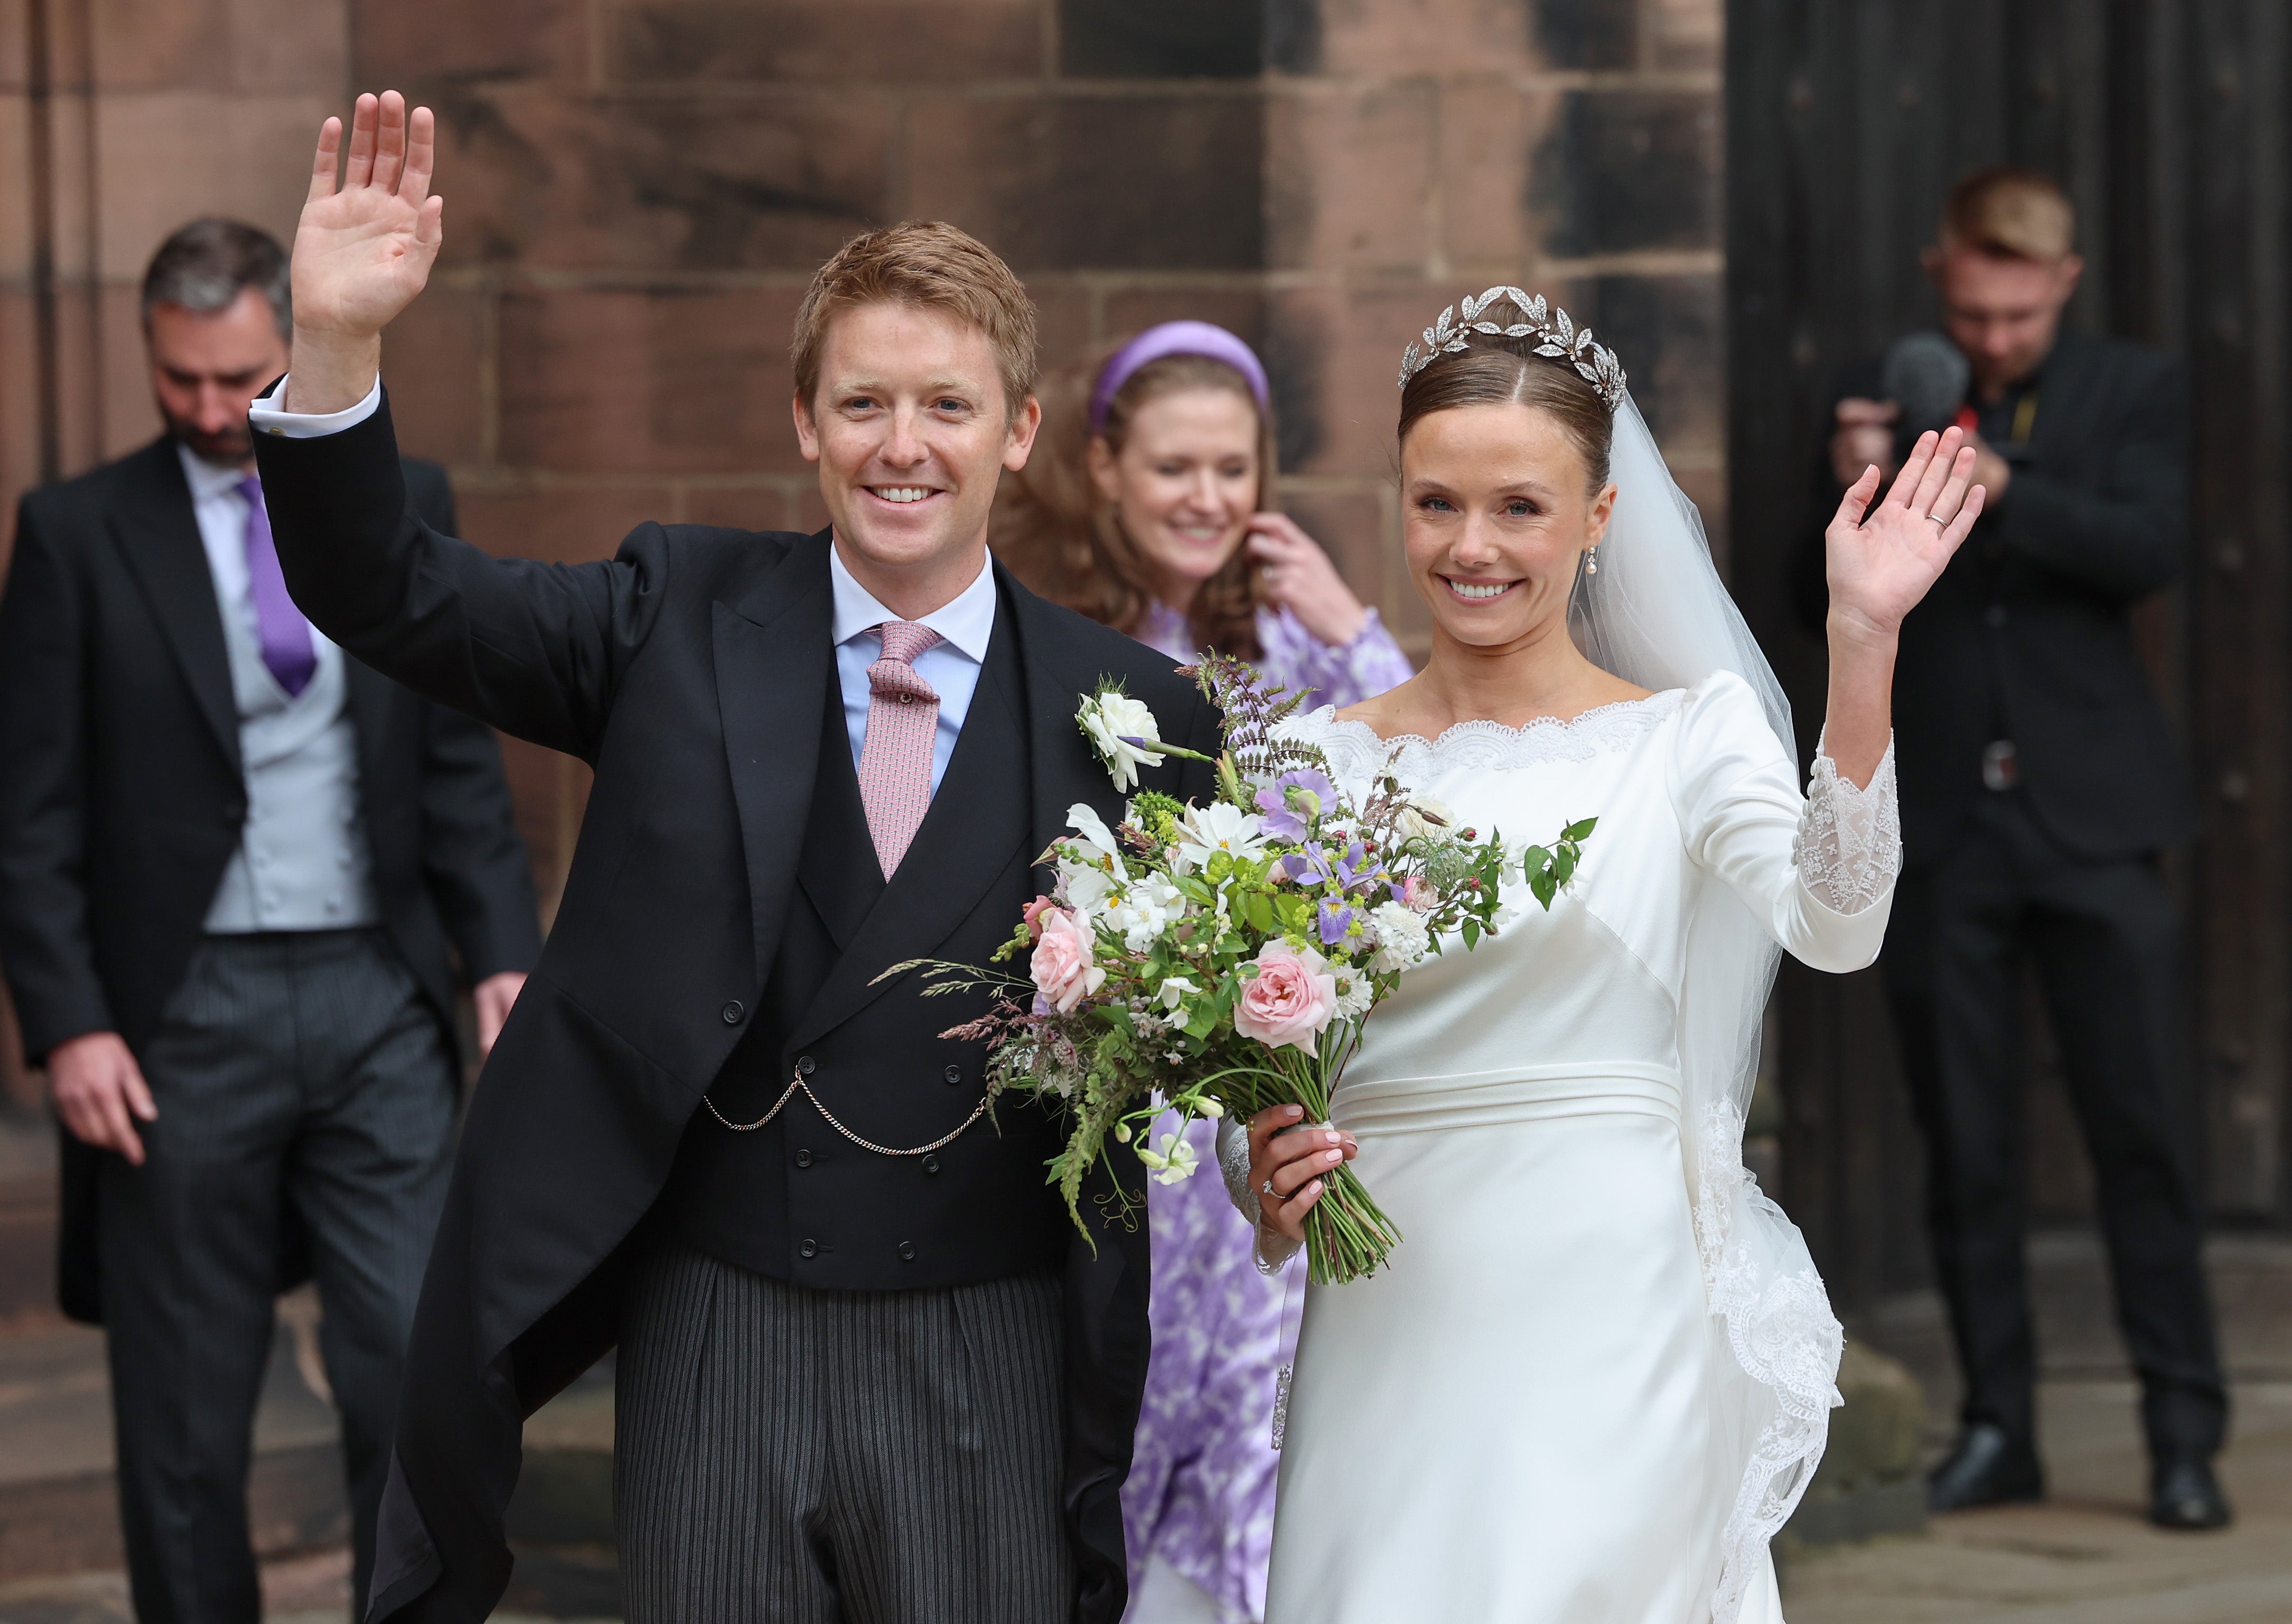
(1786, 1337)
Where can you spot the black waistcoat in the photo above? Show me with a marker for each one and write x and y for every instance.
(797, 1201)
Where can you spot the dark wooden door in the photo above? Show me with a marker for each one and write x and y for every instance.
(2166, 120)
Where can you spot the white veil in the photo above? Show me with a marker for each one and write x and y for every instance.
(1655, 614)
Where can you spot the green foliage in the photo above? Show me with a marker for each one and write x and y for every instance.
(1548, 873)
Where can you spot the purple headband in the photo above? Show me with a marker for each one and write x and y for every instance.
(1175, 338)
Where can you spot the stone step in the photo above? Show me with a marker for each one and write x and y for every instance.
(58, 1507)
(27, 1251)
(54, 1525)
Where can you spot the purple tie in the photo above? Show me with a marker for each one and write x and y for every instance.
(285, 634)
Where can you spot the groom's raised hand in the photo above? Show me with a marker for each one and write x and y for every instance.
(363, 250)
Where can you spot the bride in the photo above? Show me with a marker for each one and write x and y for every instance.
(1596, 1375)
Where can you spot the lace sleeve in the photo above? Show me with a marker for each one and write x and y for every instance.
(1850, 840)
(1272, 1249)
(1233, 1162)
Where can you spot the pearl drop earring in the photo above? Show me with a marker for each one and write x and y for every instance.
(1592, 559)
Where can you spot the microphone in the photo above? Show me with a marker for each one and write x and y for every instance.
(1926, 377)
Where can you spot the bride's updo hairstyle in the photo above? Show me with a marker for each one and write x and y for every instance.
(1498, 370)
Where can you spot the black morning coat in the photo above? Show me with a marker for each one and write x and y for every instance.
(689, 671)
(122, 798)
(2027, 635)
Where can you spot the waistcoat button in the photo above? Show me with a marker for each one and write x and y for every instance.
(954, 1075)
(805, 1065)
(733, 1011)
(1995, 617)
(931, 1164)
(804, 1158)
(906, 1251)
(809, 1249)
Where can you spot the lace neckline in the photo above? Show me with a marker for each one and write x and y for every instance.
(1355, 746)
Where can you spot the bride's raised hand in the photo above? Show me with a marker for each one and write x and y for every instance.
(363, 249)
(1881, 560)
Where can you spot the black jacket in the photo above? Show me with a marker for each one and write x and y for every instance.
(796, 1200)
(121, 797)
(2027, 635)
(689, 672)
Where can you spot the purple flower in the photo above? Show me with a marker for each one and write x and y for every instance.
(1354, 870)
(1293, 801)
(1335, 918)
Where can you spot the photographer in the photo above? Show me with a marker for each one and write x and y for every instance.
(2038, 788)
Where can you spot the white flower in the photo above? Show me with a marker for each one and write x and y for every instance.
(1094, 873)
(1083, 818)
(1109, 721)
(1174, 990)
(1355, 993)
(1504, 916)
(1148, 907)
(1174, 1164)
(1220, 827)
(1211, 1109)
(1402, 942)
(1423, 814)
(1092, 891)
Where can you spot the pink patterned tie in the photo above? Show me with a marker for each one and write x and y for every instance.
(895, 760)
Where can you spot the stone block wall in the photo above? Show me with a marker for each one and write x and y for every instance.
(637, 192)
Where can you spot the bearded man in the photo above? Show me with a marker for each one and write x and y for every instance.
(240, 874)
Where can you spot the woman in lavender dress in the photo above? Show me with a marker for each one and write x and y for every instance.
(1145, 506)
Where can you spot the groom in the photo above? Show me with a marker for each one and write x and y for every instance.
(870, 1371)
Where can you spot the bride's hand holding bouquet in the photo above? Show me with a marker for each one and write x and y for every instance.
(1222, 960)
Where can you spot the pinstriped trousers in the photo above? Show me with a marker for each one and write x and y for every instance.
(802, 1457)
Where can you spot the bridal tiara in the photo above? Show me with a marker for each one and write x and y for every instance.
(1561, 339)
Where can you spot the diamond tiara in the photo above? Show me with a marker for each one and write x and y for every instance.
(1561, 338)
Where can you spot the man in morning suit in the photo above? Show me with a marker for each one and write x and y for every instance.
(868, 1371)
(2039, 785)
(236, 868)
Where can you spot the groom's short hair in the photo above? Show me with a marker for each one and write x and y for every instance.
(930, 264)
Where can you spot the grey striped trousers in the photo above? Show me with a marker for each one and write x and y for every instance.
(300, 1068)
(808, 1457)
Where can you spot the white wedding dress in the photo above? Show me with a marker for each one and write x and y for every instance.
(1577, 1395)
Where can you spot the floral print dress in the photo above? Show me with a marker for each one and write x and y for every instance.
(1200, 1492)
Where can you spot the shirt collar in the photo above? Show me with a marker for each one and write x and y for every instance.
(966, 622)
(208, 479)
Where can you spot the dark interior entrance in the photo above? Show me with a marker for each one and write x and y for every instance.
(2167, 120)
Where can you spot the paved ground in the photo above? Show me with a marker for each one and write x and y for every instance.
(2087, 1557)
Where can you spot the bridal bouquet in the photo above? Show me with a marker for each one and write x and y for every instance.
(1223, 959)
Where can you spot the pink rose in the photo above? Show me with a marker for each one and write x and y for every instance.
(1418, 894)
(1062, 966)
(1289, 1001)
(1033, 915)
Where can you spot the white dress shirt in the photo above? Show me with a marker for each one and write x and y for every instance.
(950, 666)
